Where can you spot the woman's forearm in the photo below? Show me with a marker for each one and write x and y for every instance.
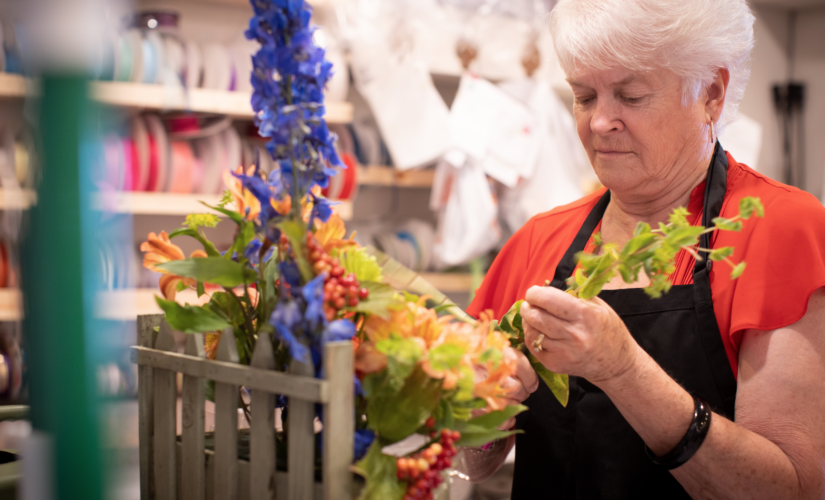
(733, 462)
(481, 464)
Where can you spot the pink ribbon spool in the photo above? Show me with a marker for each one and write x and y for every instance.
(183, 165)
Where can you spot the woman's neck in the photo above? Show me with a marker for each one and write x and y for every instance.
(625, 212)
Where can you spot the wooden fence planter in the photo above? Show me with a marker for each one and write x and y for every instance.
(170, 469)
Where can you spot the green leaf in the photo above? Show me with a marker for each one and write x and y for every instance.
(270, 273)
(226, 199)
(750, 205)
(473, 435)
(444, 414)
(402, 356)
(721, 253)
(727, 225)
(382, 299)
(679, 217)
(200, 288)
(380, 473)
(445, 356)
(215, 270)
(244, 235)
(194, 221)
(558, 384)
(737, 271)
(394, 416)
(180, 286)
(207, 245)
(495, 418)
(235, 216)
(296, 231)
(358, 262)
(191, 319)
(683, 236)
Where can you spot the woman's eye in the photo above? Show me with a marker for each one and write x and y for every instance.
(632, 100)
(583, 100)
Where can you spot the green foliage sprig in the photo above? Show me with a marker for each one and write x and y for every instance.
(654, 250)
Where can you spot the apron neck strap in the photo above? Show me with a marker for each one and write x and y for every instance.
(714, 196)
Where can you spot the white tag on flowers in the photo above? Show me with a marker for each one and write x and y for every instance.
(405, 446)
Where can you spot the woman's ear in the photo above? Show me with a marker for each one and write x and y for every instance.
(717, 90)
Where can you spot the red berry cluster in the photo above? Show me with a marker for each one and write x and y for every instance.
(339, 290)
(422, 470)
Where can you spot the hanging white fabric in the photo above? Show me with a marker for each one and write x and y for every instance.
(467, 211)
(561, 167)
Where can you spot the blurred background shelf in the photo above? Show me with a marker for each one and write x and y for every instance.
(126, 305)
(176, 204)
(165, 98)
(379, 175)
(17, 199)
(11, 304)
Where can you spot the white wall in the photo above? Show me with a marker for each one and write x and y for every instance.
(810, 68)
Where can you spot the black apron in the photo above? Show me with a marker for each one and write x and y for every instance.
(588, 450)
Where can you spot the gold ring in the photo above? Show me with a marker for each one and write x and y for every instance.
(537, 343)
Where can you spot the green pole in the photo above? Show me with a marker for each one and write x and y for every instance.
(58, 285)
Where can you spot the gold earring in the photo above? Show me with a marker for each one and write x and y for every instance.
(712, 134)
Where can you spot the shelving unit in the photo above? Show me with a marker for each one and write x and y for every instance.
(138, 203)
(377, 175)
(127, 304)
(17, 199)
(11, 304)
(164, 98)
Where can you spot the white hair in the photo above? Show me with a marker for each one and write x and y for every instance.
(692, 38)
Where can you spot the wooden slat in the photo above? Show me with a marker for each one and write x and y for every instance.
(194, 388)
(226, 425)
(165, 410)
(376, 175)
(338, 420)
(306, 388)
(262, 427)
(146, 338)
(301, 440)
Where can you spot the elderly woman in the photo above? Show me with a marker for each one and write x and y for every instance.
(715, 390)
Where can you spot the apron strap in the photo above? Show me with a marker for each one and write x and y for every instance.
(565, 267)
(702, 296)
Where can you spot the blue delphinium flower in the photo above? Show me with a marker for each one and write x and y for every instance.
(363, 440)
(314, 296)
(288, 78)
(253, 252)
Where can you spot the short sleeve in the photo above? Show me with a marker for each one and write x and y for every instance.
(785, 263)
(500, 287)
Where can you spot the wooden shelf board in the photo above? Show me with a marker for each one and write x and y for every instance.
(160, 97)
(139, 203)
(17, 199)
(128, 304)
(11, 304)
(377, 175)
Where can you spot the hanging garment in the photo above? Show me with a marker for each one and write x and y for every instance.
(588, 450)
(561, 164)
(467, 211)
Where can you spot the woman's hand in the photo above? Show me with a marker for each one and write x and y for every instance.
(519, 387)
(584, 338)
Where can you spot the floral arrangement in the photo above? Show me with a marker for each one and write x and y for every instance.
(292, 273)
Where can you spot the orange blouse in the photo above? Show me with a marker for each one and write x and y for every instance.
(784, 251)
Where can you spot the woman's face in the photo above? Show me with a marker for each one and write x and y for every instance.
(639, 136)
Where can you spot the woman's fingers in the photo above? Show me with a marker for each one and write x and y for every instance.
(552, 327)
(525, 373)
(555, 302)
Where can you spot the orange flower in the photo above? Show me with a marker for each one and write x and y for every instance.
(413, 321)
(245, 202)
(368, 359)
(330, 234)
(210, 344)
(467, 339)
(160, 249)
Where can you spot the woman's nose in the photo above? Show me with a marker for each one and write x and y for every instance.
(606, 118)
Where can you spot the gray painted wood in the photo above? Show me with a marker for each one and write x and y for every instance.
(192, 408)
(307, 388)
(226, 425)
(165, 410)
(301, 442)
(339, 421)
(262, 427)
(146, 338)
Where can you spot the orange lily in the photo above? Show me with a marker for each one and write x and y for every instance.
(245, 202)
(160, 249)
(330, 234)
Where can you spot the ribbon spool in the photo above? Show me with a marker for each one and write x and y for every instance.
(194, 65)
(159, 144)
(217, 70)
(135, 42)
(344, 185)
(124, 60)
(127, 165)
(183, 165)
(141, 155)
(232, 150)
